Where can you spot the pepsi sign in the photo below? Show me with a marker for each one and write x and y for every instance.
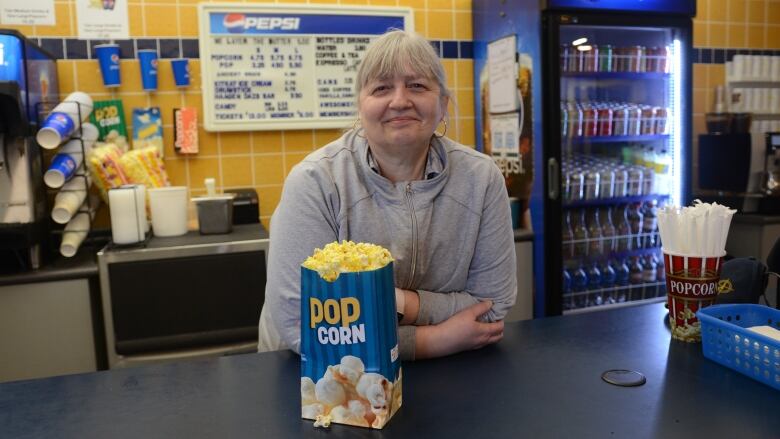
(312, 24)
(238, 23)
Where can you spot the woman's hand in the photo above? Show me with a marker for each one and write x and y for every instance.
(461, 332)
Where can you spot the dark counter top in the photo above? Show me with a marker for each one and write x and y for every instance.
(541, 381)
(82, 265)
(241, 232)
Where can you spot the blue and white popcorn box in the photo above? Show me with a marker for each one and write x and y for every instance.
(350, 369)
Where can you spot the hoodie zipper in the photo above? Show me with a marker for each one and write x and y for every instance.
(414, 235)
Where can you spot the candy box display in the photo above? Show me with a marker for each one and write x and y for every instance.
(350, 369)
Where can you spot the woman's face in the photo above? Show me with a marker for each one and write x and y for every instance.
(402, 111)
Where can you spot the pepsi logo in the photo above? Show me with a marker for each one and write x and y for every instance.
(234, 23)
(154, 63)
(114, 58)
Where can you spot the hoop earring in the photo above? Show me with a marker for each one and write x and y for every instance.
(439, 136)
(357, 128)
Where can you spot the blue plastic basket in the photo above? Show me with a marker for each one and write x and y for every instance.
(726, 340)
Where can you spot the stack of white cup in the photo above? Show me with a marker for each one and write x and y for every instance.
(70, 157)
(76, 231)
(753, 68)
(64, 120)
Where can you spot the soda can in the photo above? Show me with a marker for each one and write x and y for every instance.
(577, 184)
(661, 117)
(635, 59)
(605, 58)
(575, 120)
(592, 185)
(589, 122)
(634, 121)
(621, 182)
(651, 59)
(648, 121)
(607, 181)
(635, 181)
(620, 122)
(663, 59)
(590, 59)
(605, 121)
(566, 53)
(564, 120)
(648, 175)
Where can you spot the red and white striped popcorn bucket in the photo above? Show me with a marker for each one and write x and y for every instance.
(691, 284)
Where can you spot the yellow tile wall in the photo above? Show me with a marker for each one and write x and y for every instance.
(247, 159)
(727, 24)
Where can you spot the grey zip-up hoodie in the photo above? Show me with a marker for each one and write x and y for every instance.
(450, 236)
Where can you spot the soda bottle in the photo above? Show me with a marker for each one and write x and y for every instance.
(566, 288)
(660, 274)
(635, 221)
(635, 278)
(567, 236)
(595, 247)
(623, 228)
(580, 234)
(607, 182)
(648, 183)
(579, 284)
(594, 277)
(594, 283)
(650, 224)
(607, 230)
(564, 120)
(649, 269)
(662, 165)
(608, 278)
(622, 279)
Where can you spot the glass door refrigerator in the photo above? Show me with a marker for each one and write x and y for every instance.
(596, 137)
(617, 130)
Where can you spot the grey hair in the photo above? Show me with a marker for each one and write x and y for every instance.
(396, 50)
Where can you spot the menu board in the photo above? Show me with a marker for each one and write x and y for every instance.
(269, 67)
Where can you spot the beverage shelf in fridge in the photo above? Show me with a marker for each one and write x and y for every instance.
(607, 306)
(615, 75)
(616, 139)
(612, 201)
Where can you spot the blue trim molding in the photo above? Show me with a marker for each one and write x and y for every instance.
(73, 49)
(714, 55)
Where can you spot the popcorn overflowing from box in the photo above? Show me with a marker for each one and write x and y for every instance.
(350, 370)
(694, 242)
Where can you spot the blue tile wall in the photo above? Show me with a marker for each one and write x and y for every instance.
(188, 47)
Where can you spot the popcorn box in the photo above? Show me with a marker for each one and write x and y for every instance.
(350, 370)
(691, 284)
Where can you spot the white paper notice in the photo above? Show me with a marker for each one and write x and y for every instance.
(104, 19)
(505, 135)
(29, 12)
(502, 72)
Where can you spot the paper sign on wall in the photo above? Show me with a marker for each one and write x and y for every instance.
(270, 67)
(28, 12)
(103, 19)
(502, 69)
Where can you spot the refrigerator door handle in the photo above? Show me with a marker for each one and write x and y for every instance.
(553, 179)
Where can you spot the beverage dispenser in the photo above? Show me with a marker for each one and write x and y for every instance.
(28, 84)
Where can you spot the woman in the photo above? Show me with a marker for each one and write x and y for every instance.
(439, 207)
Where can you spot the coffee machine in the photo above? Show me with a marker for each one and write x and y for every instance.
(28, 86)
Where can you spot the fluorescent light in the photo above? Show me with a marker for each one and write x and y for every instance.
(584, 48)
(677, 115)
(579, 41)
